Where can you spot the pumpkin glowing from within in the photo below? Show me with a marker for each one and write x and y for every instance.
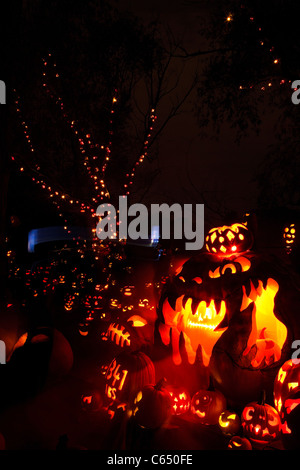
(126, 374)
(129, 334)
(181, 400)
(261, 423)
(287, 401)
(227, 240)
(229, 422)
(207, 406)
(239, 443)
(290, 418)
(286, 382)
(153, 406)
(289, 236)
(237, 314)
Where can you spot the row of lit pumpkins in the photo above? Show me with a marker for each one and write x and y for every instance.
(129, 384)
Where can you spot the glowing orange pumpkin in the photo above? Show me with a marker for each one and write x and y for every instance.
(234, 312)
(127, 374)
(152, 406)
(228, 240)
(261, 423)
(181, 399)
(229, 422)
(207, 406)
(239, 443)
(286, 382)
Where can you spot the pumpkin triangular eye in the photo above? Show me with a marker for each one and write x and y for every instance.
(137, 321)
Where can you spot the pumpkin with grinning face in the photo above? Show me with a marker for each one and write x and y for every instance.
(237, 311)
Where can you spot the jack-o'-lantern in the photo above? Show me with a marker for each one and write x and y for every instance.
(152, 406)
(228, 240)
(289, 237)
(286, 382)
(287, 401)
(127, 374)
(235, 312)
(239, 443)
(132, 333)
(207, 406)
(290, 421)
(261, 423)
(91, 400)
(181, 399)
(229, 422)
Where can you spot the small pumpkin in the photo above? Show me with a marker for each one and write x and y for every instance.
(229, 422)
(181, 400)
(207, 406)
(239, 443)
(153, 406)
(261, 422)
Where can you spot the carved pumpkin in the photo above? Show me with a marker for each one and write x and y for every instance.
(290, 419)
(91, 400)
(239, 443)
(227, 240)
(229, 422)
(261, 423)
(287, 401)
(132, 333)
(289, 237)
(181, 399)
(127, 374)
(207, 406)
(236, 312)
(152, 406)
(286, 382)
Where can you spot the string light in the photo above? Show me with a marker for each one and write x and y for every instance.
(130, 176)
(275, 60)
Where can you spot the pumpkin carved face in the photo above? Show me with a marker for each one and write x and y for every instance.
(227, 240)
(287, 402)
(286, 382)
(181, 400)
(207, 406)
(229, 422)
(261, 423)
(236, 313)
(210, 295)
(289, 237)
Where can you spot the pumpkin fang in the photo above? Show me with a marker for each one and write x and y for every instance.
(202, 323)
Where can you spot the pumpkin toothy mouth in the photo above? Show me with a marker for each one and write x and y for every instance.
(204, 315)
(257, 434)
(203, 322)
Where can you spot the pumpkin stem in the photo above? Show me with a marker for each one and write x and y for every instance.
(160, 384)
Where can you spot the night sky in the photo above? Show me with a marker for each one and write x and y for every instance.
(221, 168)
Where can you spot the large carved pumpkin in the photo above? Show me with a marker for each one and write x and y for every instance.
(287, 402)
(127, 374)
(237, 311)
